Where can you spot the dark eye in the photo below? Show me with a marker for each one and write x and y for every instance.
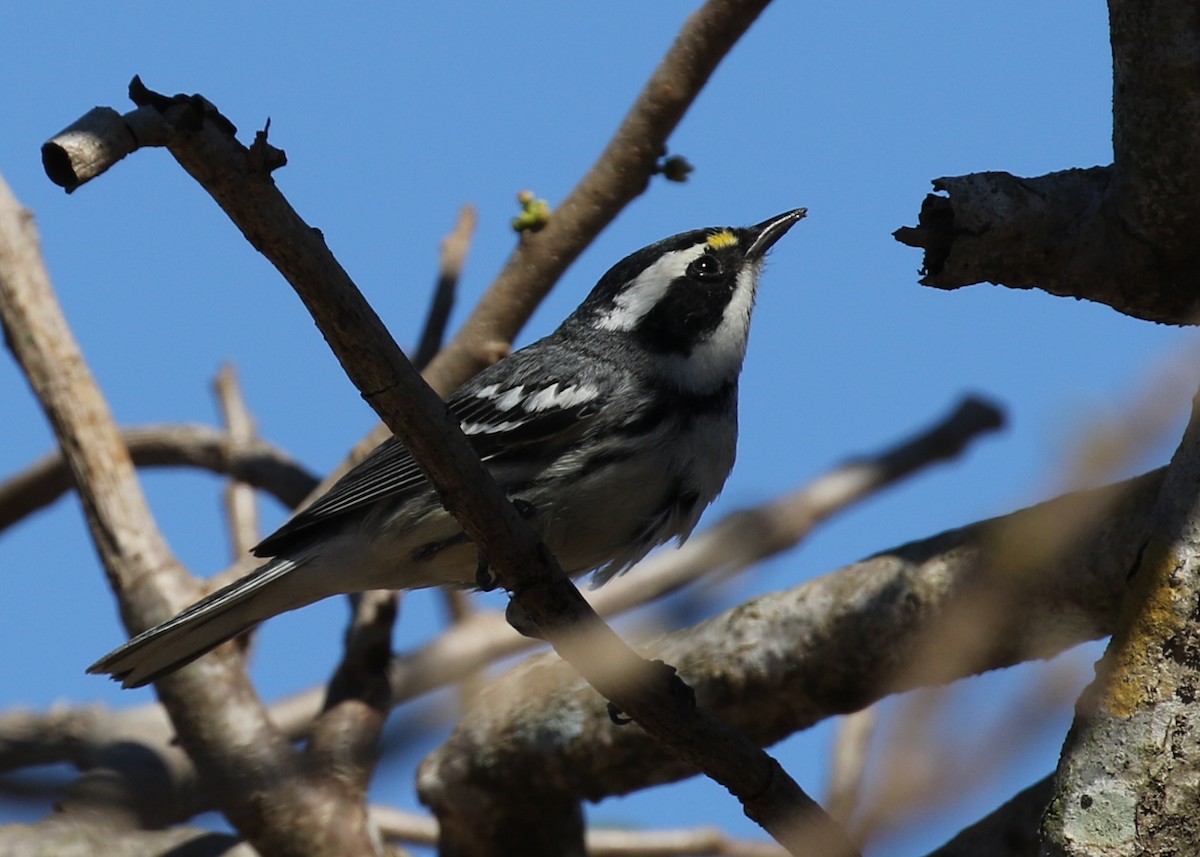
(705, 268)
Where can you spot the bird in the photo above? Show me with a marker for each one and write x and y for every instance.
(611, 435)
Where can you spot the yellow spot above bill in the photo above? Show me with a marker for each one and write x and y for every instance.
(722, 239)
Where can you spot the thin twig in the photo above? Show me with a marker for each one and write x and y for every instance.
(420, 829)
(452, 258)
(241, 509)
(918, 769)
(256, 463)
(848, 769)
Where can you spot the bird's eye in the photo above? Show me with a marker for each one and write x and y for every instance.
(704, 268)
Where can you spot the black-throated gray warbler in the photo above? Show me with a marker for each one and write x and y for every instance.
(613, 433)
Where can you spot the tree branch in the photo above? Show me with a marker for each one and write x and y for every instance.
(254, 462)
(732, 544)
(1123, 235)
(929, 573)
(1126, 779)
(358, 699)
(241, 509)
(249, 766)
(452, 258)
(238, 179)
(829, 646)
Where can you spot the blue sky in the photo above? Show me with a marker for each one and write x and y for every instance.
(394, 115)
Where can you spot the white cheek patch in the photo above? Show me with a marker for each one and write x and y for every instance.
(641, 296)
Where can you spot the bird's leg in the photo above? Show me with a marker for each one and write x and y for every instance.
(485, 581)
(524, 508)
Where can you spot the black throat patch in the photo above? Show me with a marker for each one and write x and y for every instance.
(687, 315)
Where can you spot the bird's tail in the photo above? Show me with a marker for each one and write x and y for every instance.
(202, 627)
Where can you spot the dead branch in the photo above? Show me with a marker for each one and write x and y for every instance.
(1122, 235)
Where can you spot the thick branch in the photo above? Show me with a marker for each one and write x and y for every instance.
(1126, 782)
(1124, 235)
(950, 561)
(1156, 121)
(826, 647)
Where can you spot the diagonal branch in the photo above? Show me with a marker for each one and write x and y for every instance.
(102, 137)
(238, 179)
(828, 646)
(1078, 595)
(202, 143)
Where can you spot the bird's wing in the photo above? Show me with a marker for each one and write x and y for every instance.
(501, 418)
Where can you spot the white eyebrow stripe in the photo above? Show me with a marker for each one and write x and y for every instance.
(631, 305)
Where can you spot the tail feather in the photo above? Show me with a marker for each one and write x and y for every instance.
(200, 628)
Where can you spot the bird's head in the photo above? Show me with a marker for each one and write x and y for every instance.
(685, 301)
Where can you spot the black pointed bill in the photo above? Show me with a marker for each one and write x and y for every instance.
(764, 235)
